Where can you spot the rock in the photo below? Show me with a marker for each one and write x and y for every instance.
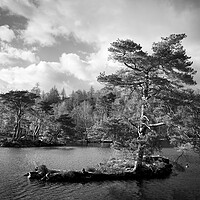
(34, 175)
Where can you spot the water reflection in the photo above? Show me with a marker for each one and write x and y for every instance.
(59, 148)
(125, 190)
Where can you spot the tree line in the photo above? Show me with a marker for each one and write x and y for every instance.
(147, 99)
(53, 116)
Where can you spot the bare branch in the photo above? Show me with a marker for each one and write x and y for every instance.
(157, 124)
(134, 68)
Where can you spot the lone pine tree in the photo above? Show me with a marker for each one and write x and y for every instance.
(161, 75)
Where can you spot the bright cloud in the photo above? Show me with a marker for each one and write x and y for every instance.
(43, 73)
(9, 54)
(88, 70)
(6, 34)
(48, 74)
(74, 65)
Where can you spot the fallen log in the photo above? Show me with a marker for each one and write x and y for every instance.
(157, 167)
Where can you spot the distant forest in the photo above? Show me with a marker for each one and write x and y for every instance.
(54, 117)
(109, 113)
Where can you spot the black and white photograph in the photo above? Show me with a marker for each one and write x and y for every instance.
(99, 99)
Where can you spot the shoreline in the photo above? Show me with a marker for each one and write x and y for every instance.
(27, 143)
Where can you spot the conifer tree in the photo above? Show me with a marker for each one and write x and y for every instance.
(20, 102)
(162, 75)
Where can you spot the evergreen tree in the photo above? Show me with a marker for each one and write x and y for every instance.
(162, 75)
(67, 126)
(19, 102)
(53, 96)
(36, 90)
(63, 94)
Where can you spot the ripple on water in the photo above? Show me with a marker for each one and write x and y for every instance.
(16, 162)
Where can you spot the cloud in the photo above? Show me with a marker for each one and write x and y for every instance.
(89, 69)
(100, 23)
(74, 65)
(6, 34)
(48, 74)
(25, 8)
(25, 78)
(182, 5)
(9, 54)
(4, 86)
(89, 20)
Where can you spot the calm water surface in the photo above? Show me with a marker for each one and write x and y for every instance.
(15, 162)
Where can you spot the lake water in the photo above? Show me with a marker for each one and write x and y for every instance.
(15, 162)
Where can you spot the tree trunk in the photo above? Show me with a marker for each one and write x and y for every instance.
(142, 137)
(16, 134)
(18, 125)
(139, 158)
(36, 132)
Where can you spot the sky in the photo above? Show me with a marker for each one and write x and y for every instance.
(64, 43)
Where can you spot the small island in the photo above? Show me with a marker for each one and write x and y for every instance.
(114, 169)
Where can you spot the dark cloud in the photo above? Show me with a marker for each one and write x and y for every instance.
(181, 5)
(36, 3)
(15, 22)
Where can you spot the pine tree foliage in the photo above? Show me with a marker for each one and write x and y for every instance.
(168, 68)
(162, 75)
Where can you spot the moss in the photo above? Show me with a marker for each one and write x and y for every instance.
(114, 169)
